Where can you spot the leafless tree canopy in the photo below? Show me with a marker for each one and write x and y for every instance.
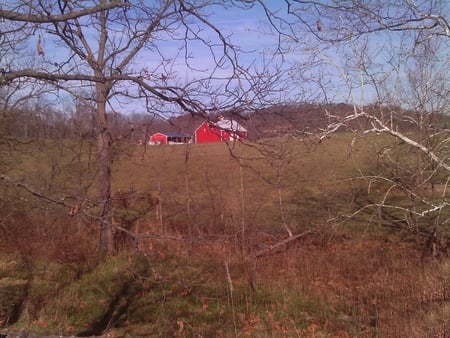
(107, 55)
(119, 52)
(389, 59)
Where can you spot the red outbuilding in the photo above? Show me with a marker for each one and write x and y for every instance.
(169, 138)
(223, 130)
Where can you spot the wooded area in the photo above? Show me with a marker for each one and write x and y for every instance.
(346, 104)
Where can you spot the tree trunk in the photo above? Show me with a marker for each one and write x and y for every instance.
(104, 166)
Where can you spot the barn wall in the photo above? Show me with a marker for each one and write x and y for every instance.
(206, 133)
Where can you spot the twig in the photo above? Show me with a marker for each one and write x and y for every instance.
(230, 287)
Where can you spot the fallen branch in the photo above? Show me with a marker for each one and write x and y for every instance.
(277, 245)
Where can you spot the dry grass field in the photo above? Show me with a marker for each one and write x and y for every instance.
(216, 255)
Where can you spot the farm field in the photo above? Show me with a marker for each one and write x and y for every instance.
(240, 168)
(248, 240)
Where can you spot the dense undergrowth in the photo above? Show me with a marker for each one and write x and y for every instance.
(210, 260)
(365, 286)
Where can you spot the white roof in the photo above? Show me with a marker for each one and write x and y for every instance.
(229, 125)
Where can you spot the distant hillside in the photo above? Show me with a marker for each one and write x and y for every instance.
(267, 122)
(297, 119)
(291, 118)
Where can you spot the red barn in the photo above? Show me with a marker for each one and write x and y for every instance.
(169, 138)
(223, 130)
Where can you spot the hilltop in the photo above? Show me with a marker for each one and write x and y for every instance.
(300, 119)
(267, 122)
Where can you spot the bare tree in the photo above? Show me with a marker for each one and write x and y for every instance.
(117, 49)
(389, 60)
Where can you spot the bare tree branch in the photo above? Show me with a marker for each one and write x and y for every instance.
(38, 18)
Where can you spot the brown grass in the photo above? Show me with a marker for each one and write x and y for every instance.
(361, 286)
(383, 287)
(333, 283)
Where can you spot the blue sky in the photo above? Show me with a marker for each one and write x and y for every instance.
(247, 29)
(332, 68)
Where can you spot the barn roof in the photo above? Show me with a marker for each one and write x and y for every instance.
(174, 134)
(229, 125)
